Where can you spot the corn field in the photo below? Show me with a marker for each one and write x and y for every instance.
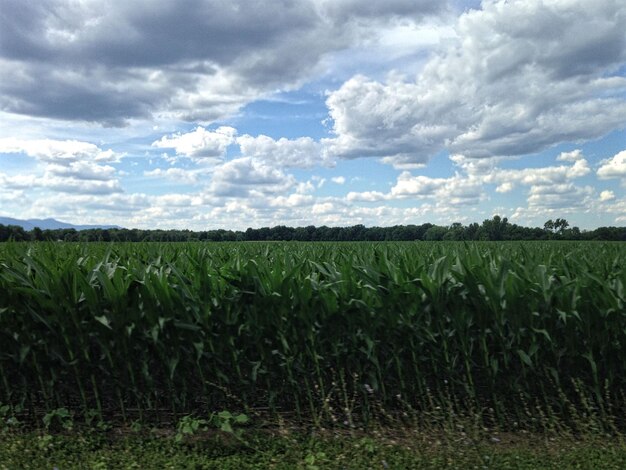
(139, 330)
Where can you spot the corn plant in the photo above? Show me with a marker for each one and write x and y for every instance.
(155, 331)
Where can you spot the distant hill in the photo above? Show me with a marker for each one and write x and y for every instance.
(49, 224)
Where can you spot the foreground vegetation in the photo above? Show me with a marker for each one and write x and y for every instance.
(320, 332)
(297, 451)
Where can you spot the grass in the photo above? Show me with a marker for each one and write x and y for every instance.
(293, 450)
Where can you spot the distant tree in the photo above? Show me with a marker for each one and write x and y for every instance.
(37, 234)
(16, 233)
(495, 229)
(435, 233)
(4, 233)
(456, 231)
(471, 231)
(560, 225)
(549, 225)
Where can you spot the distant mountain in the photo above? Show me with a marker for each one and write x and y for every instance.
(49, 224)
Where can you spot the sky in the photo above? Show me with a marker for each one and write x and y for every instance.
(207, 114)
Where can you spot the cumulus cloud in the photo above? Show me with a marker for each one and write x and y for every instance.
(409, 185)
(613, 167)
(80, 186)
(199, 143)
(607, 196)
(454, 191)
(548, 186)
(305, 187)
(538, 176)
(246, 177)
(302, 152)
(560, 196)
(58, 151)
(372, 119)
(505, 187)
(180, 175)
(616, 207)
(19, 182)
(68, 166)
(366, 196)
(522, 76)
(323, 208)
(293, 200)
(196, 60)
(90, 208)
(82, 170)
(572, 156)
(63, 183)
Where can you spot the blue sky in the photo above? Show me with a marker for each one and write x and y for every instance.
(206, 114)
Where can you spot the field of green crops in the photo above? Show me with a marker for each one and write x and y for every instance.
(316, 331)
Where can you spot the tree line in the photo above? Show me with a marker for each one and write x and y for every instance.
(497, 228)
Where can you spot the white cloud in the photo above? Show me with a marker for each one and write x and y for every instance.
(67, 166)
(177, 200)
(180, 175)
(522, 76)
(618, 208)
(58, 151)
(323, 208)
(293, 200)
(338, 179)
(82, 170)
(548, 186)
(19, 182)
(408, 185)
(613, 167)
(402, 163)
(607, 196)
(565, 197)
(113, 63)
(305, 187)
(302, 152)
(246, 177)
(372, 119)
(572, 156)
(538, 176)
(366, 196)
(79, 186)
(199, 143)
(460, 191)
(505, 187)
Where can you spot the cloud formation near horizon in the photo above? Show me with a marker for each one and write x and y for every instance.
(235, 114)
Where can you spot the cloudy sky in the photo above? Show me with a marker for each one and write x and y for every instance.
(207, 114)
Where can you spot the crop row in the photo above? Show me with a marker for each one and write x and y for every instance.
(129, 329)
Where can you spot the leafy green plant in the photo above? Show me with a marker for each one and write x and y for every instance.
(8, 419)
(188, 426)
(229, 423)
(313, 460)
(93, 420)
(225, 421)
(60, 417)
